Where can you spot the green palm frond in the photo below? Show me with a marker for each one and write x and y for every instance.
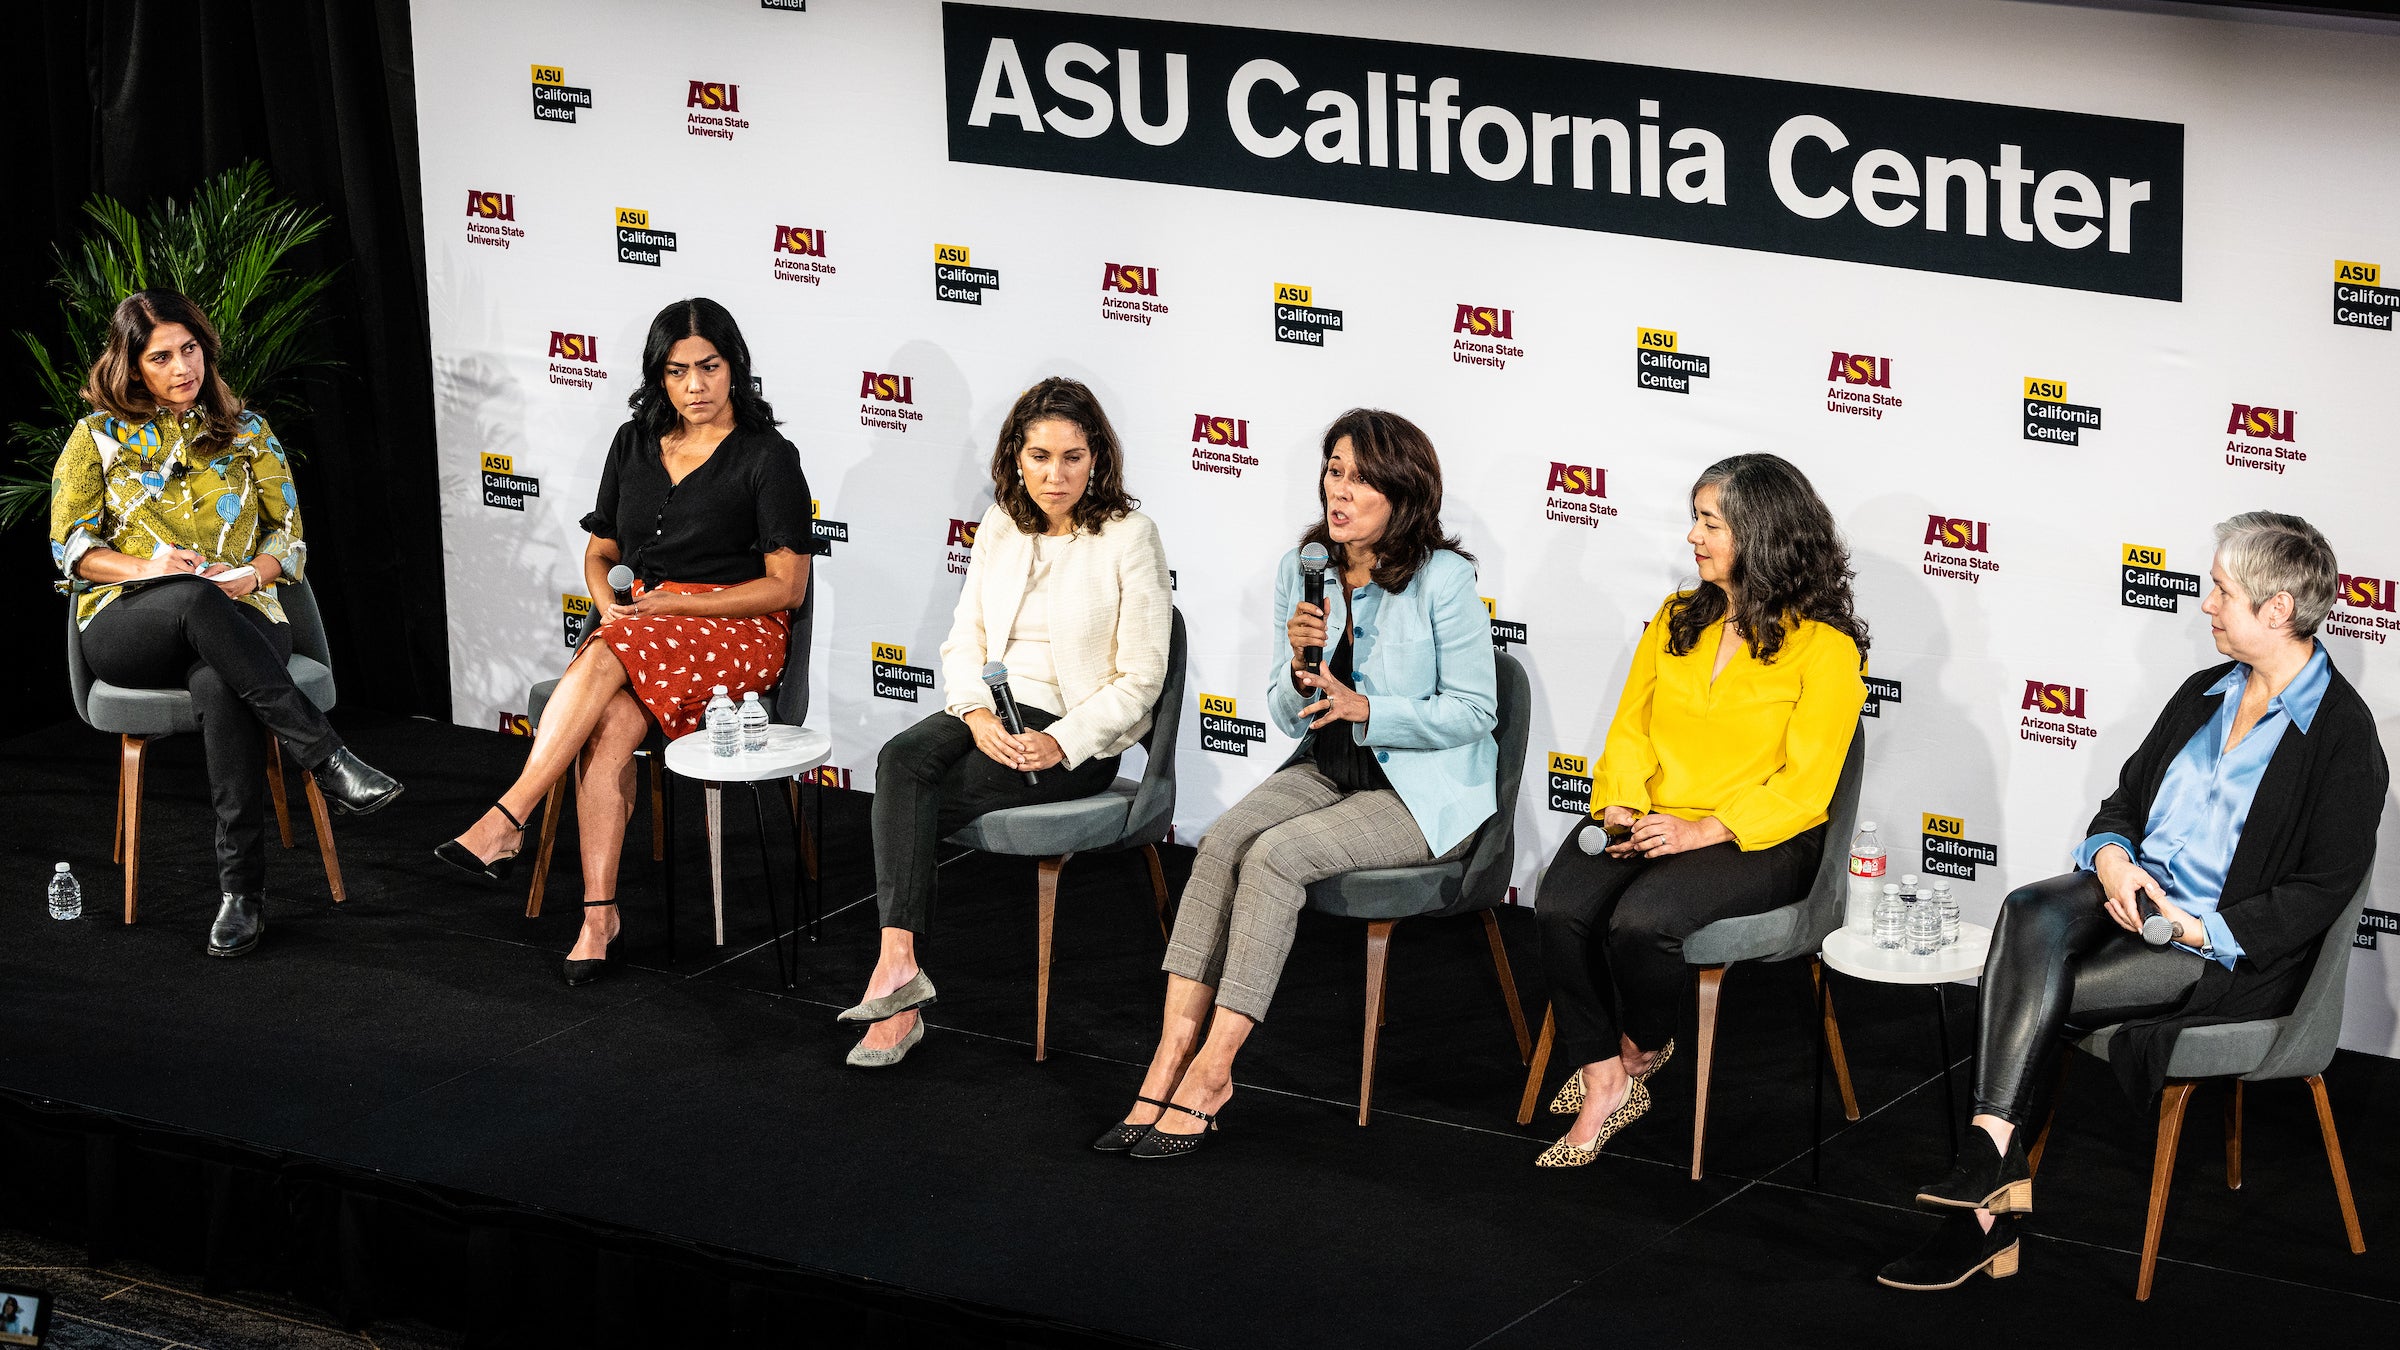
(228, 248)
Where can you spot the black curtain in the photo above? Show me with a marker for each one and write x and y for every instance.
(143, 99)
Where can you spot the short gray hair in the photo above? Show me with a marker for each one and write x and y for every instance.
(2266, 552)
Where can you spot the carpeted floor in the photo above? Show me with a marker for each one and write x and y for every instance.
(420, 1031)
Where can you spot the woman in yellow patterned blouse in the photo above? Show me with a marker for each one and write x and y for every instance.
(1712, 789)
(172, 510)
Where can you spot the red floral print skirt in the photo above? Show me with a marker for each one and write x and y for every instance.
(674, 662)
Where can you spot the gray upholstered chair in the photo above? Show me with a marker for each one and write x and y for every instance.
(1475, 883)
(2297, 1045)
(789, 707)
(1794, 931)
(139, 716)
(1127, 815)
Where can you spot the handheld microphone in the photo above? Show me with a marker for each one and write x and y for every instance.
(995, 676)
(2157, 929)
(1313, 560)
(1597, 836)
(620, 580)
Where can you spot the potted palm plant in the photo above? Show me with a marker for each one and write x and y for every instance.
(228, 249)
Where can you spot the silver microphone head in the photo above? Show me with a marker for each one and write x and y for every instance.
(1591, 839)
(995, 674)
(1314, 558)
(2157, 929)
(620, 577)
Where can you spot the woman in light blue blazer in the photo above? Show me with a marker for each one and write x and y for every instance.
(1396, 764)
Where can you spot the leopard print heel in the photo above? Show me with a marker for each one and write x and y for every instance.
(1570, 1093)
(1564, 1154)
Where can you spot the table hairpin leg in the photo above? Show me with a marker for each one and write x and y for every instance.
(784, 970)
(1941, 1022)
(811, 887)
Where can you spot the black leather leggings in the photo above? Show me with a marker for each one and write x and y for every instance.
(2057, 960)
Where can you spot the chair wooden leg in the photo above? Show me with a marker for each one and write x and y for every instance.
(658, 811)
(275, 790)
(1833, 1045)
(1541, 1061)
(322, 814)
(1379, 944)
(2233, 1137)
(1158, 885)
(2333, 1159)
(715, 794)
(130, 750)
(2171, 1103)
(1508, 986)
(1045, 921)
(544, 843)
(2058, 1093)
(1709, 978)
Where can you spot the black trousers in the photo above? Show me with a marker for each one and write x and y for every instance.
(187, 635)
(2058, 960)
(931, 780)
(1613, 930)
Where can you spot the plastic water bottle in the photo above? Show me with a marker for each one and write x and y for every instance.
(754, 723)
(1924, 926)
(1890, 918)
(66, 897)
(1946, 906)
(724, 725)
(1866, 879)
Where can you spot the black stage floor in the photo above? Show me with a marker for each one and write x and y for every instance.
(419, 1034)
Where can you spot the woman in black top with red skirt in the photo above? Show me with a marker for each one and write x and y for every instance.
(706, 503)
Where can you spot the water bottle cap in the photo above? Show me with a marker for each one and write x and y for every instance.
(750, 697)
(62, 867)
(1908, 879)
(1865, 825)
(1891, 888)
(720, 691)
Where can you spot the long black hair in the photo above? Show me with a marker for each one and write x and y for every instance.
(1396, 458)
(1789, 561)
(115, 384)
(700, 317)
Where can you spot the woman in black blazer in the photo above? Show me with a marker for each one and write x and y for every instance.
(2246, 821)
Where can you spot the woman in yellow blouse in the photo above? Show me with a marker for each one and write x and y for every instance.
(173, 515)
(1712, 789)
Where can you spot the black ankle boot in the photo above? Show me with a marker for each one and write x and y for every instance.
(241, 922)
(1957, 1249)
(1985, 1177)
(352, 786)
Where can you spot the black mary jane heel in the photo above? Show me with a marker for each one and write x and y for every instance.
(458, 855)
(1121, 1136)
(580, 973)
(1154, 1144)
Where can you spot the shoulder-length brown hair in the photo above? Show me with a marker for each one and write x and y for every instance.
(1396, 458)
(1059, 398)
(1789, 562)
(115, 386)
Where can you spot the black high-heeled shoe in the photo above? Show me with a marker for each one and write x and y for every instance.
(580, 973)
(1154, 1144)
(458, 855)
(1122, 1136)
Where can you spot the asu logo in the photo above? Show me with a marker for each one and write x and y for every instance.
(2364, 273)
(890, 653)
(880, 388)
(1288, 294)
(1484, 321)
(2057, 699)
(962, 533)
(632, 218)
(1128, 279)
(827, 775)
(2046, 391)
(1217, 705)
(2263, 424)
(1232, 432)
(574, 346)
(1875, 372)
(1967, 536)
(800, 242)
(2367, 592)
(492, 205)
(1579, 480)
(719, 97)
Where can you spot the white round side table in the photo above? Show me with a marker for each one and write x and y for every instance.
(1856, 955)
(789, 754)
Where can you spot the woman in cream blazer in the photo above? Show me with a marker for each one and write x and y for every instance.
(1067, 589)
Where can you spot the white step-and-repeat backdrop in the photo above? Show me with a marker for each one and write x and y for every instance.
(2034, 293)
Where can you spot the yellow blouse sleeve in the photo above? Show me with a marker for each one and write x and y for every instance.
(1628, 760)
(78, 499)
(278, 503)
(1816, 742)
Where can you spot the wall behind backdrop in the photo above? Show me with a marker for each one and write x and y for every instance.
(2034, 294)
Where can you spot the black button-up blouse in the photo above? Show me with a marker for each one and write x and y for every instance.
(715, 527)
